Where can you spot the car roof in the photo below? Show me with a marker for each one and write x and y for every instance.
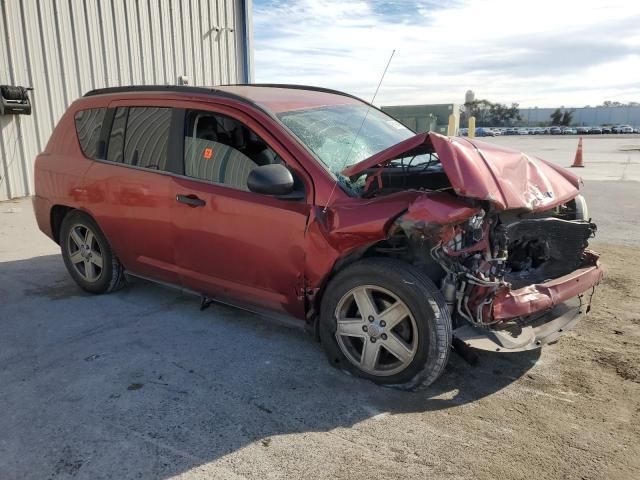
(275, 98)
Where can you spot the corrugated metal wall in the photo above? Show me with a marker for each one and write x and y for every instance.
(64, 48)
(589, 116)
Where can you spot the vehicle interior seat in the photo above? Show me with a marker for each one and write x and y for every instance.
(221, 164)
(260, 152)
(267, 157)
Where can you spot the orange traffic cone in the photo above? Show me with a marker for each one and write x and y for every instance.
(578, 160)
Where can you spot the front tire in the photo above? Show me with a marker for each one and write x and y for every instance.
(88, 255)
(386, 321)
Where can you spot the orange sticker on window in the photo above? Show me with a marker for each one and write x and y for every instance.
(208, 153)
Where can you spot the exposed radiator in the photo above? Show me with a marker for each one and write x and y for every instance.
(545, 248)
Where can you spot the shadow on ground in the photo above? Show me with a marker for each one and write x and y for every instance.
(140, 382)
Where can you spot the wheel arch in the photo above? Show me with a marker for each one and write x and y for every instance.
(59, 212)
(415, 279)
(398, 245)
(56, 217)
(66, 218)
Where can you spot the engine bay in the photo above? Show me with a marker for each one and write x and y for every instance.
(494, 253)
(543, 249)
(499, 253)
(422, 172)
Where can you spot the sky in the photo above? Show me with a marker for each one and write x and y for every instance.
(543, 53)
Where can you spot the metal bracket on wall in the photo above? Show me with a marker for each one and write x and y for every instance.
(218, 30)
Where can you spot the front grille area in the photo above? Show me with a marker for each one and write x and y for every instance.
(545, 248)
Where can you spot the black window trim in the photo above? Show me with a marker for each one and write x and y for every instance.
(124, 137)
(105, 133)
(175, 149)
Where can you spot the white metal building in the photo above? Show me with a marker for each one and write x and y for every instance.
(589, 116)
(65, 48)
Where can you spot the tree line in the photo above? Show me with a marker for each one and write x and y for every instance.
(490, 114)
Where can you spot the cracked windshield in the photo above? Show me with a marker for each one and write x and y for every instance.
(329, 132)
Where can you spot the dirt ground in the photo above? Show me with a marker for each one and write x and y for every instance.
(141, 384)
(594, 372)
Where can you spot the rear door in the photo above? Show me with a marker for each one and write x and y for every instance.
(130, 192)
(230, 242)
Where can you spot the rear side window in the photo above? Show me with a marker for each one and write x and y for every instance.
(139, 137)
(88, 127)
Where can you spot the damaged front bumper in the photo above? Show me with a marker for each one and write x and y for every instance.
(536, 314)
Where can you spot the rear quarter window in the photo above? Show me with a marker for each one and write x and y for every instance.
(88, 127)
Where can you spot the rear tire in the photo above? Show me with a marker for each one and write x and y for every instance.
(87, 254)
(404, 337)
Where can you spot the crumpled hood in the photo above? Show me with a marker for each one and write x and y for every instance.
(505, 177)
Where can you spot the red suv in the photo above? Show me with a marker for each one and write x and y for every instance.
(314, 203)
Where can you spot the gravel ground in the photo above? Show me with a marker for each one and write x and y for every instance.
(141, 384)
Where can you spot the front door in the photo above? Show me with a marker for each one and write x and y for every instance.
(231, 243)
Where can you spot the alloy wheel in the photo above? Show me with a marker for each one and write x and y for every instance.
(85, 252)
(376, 331)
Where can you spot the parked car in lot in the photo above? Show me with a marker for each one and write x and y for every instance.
(583, 130)
(555, 130)
(484, 132)
(595, 130)
(569, 131)
(523, 131)
(255, 195)
(607, 130)
(511, 131)
(622, 129)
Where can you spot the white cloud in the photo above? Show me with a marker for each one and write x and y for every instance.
(537, 53)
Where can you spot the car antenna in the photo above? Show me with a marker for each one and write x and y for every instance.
(324, 210)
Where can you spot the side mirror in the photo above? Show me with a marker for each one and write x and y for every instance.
(273, 179)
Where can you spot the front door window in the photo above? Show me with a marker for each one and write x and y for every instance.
(222, 150)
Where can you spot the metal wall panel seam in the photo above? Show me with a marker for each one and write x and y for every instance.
(198, 71)
(167, 41)
(12, 132)
(156, 37)
(74, 47)
(187, 59)
(116, 41)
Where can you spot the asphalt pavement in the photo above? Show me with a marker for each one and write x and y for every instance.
(142, 384)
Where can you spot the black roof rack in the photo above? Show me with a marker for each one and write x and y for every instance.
(173, 88)
(149, 88)
(293, 87)
(216, 92)
(210, 90)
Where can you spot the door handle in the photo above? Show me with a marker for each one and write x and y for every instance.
(191, 200)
